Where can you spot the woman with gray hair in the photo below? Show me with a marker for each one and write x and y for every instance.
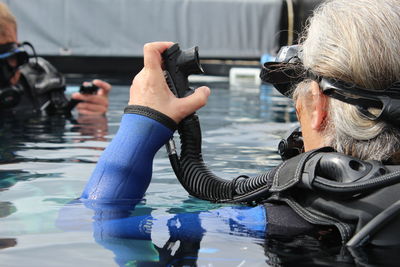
(356, 42)
(344, 78)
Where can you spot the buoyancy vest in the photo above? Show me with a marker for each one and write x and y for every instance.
(330, 188)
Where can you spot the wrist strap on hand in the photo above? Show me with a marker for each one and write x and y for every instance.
(153, 114)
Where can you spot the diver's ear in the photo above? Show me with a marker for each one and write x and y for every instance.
(320, 103)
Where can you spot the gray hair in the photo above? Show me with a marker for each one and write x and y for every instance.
(356, 41)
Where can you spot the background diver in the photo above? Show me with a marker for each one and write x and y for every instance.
(32, 86)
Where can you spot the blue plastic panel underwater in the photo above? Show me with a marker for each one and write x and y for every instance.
(221, 28)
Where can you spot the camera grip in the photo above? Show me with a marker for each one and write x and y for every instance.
(179, 64)
(88, 89)
(170, 83)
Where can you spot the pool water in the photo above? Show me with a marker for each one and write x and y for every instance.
(45, 163)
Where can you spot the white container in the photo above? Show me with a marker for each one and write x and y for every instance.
(245, 77)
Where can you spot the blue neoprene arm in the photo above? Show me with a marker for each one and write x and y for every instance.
(124, 173)
(124, 170)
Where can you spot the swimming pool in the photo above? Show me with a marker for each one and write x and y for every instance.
(45, 163)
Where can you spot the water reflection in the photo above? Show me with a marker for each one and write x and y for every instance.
(137, 236)
(309, 251)
(22, 140)
(6, 209)
(26, 142)
(95, 128)
(23, 135)
(7, 243)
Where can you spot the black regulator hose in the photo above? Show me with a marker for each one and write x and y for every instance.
(189, 167)
(200, 182)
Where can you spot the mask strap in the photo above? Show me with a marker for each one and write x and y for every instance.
(33, 50)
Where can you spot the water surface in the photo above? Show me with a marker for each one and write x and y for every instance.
(45, 163)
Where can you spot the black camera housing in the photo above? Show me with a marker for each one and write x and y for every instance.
(179, 64)
(10, 96)
(292, 145)
(88, 89)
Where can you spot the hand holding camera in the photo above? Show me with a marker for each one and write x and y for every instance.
(149, 88)
(92, 98)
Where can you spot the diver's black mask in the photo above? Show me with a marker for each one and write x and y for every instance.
(286, 71)
(12, 57)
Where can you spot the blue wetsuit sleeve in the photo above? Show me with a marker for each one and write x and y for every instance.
(124, 170)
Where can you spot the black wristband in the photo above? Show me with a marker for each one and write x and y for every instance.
(153, 114)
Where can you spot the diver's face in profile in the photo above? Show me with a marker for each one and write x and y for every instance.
(10, 36)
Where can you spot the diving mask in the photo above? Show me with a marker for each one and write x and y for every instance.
(12, 56)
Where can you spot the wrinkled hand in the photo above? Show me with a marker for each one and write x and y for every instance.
(94, 104)
(150, 89)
